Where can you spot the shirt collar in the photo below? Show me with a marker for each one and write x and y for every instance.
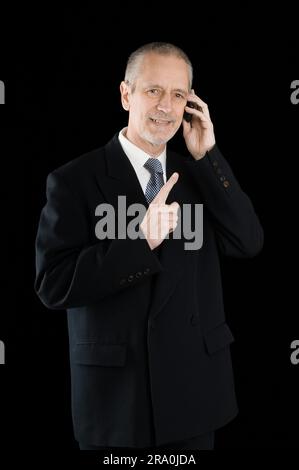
(137, 156)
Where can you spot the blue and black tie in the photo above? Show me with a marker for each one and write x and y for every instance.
(156, 180)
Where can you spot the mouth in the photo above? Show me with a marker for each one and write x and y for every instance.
(160, 122)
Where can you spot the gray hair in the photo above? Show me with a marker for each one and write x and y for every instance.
(163, 48)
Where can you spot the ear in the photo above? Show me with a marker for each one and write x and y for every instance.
(125, 99)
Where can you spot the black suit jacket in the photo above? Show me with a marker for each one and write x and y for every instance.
(144, 330)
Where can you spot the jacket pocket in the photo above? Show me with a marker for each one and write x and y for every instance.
(96, 354)
(218, 338)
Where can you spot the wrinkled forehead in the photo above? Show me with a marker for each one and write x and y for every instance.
(169, 71)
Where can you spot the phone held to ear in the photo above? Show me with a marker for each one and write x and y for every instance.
(191, 104)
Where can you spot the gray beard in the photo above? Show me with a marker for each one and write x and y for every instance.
(155, 141)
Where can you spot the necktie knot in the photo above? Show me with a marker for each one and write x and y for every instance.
(153, 165)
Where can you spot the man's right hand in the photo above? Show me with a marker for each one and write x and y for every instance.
(160, 218)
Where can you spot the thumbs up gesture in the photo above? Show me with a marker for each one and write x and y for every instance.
(160, 218)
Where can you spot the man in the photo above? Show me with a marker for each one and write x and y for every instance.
(149, 344)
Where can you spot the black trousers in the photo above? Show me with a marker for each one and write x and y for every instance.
(203, 442)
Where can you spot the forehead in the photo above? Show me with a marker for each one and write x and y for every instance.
(167, 70)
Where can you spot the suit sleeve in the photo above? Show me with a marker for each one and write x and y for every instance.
(71, 272)
(237, 227)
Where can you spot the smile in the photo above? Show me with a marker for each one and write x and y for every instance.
(160, 121)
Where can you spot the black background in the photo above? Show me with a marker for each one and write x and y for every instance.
(62, 70)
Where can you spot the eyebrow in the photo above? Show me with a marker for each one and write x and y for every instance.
(153, 85)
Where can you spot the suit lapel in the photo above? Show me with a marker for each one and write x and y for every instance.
(121, 179)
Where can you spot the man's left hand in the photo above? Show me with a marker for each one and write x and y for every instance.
(199, 133)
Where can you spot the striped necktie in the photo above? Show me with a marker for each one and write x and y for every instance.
(156, 180)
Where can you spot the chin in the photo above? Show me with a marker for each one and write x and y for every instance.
(157, 142)
(156, 139)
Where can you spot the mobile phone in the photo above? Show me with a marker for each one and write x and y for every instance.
(191, 104)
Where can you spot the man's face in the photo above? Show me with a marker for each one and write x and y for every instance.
(156, 106)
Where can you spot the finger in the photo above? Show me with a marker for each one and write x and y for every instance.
(196, 99)
(163, 211)
(174, 206)
(200, 114)
(165, 190)
(170, 216)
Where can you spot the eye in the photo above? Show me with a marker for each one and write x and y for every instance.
(178, 95)
(153, 91)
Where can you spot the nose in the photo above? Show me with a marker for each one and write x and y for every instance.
(165, 103)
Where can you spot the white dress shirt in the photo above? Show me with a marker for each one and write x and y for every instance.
(138, 158)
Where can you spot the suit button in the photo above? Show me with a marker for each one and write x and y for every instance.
(226, 184)
(222, 178)
(130, 278)
(218, 171)
(146, 271)
(122, 282)
(215, 164)
(139, 274)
